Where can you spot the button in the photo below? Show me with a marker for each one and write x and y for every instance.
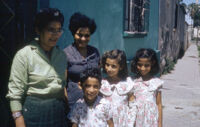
(25, 110)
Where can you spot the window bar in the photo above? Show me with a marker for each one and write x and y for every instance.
(130, 15)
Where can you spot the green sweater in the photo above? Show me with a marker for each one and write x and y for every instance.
(33, 74)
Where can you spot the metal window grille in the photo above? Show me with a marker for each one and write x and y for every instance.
(136, 16)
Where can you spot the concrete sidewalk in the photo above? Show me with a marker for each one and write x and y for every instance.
(181, 92)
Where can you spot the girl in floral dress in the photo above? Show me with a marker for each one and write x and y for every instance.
(146, 88)
(117, 81)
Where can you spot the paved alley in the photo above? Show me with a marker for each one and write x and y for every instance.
(181, 92)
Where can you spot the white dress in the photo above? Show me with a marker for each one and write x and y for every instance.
(95, 116)
(145, 94)
(123, 116)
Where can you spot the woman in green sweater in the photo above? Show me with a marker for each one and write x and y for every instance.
(38, 76)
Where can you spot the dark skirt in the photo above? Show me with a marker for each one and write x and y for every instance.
(39, 112)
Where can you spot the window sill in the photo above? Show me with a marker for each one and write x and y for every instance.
(128, 34)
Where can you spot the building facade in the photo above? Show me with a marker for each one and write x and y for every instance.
(114, 27)
(172, 43)
(160, 25)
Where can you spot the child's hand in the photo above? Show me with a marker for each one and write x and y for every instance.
(131, 97)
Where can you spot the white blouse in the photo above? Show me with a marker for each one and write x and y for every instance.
(95, 116)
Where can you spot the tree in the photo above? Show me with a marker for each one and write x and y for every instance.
(194, 12)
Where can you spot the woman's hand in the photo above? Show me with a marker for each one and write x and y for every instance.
(20, 122)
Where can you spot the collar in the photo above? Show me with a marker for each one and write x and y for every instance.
(97, 102)
(107, 89)
(35, 46)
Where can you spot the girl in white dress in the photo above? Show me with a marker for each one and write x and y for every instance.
(146, 89)
(117, 81)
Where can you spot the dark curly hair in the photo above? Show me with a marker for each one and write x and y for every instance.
(120, 56)
(149, 54)
(91, 72)
(79, 20)
(47, 15)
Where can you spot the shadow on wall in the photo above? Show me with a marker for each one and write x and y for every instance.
(16, 28)
(5, 117)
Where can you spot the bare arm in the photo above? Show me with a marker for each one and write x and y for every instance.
(159, 104)
(74, 125)
(65, 93)
(66, 74)
(110, 123)
(131, 97)
(19, 122)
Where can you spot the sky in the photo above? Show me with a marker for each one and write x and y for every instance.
(189, 1)
(187, 17)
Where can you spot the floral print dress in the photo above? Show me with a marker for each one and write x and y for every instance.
(123, 116)
(145, 94)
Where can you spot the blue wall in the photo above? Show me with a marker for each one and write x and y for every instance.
(108, 15)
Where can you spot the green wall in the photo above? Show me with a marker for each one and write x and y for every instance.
(151, 39)
(108, 15)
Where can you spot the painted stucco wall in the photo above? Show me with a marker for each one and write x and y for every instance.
(108, 15)
(171, 39)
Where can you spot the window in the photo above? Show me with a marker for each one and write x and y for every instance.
(136, 17)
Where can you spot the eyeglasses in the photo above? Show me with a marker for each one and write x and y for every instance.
(55, 31)
(83, 35)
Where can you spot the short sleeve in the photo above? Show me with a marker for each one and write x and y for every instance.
(108, 111)
(156, 84)
(105, 88)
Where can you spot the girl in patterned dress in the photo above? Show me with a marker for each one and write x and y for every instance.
(117, 81)
(146, 88)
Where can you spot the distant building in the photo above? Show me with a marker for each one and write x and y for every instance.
(196, 33)
(190, 32)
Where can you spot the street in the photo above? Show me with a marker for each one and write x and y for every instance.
(181, 92)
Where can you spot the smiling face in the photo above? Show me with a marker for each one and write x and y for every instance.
(91, 88)
(82, 37)
(144, 66)
(112, 68)
(50, 35)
